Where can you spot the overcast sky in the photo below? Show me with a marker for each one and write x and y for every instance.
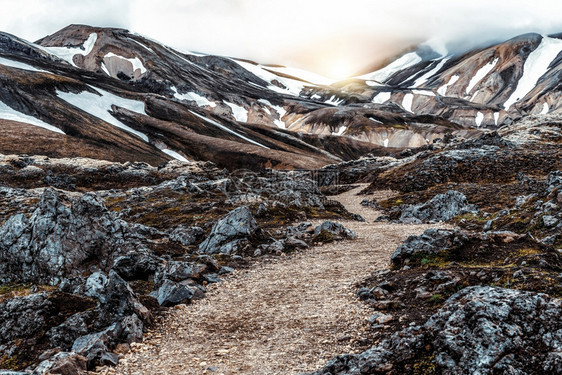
(335, 38)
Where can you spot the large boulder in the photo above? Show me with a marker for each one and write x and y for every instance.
(329, 231)
(62, 236)
(172, 293)
(230, 233)
(442, 207)
(479, 330)
(23, 316)
(64, 363)
(431, 243)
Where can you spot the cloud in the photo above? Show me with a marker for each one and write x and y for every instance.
(34, 19)
(319, 35)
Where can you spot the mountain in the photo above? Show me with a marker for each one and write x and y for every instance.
(94, 252)
(115, 95)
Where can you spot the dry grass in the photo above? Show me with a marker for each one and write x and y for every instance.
(281, 316)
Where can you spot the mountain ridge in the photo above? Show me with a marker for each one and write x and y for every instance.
(417, 98)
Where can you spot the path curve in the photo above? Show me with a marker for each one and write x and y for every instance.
(284, 316)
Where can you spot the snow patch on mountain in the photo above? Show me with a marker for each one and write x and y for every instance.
(240, 113)
(423, 79)
(423, 92)
(174, 154)
(404, 62)
(479, 118)
(105, 70)
(496, 117)
(67, 53)
(382, 97)
(341, 130)
(19, 65)
(101, 105)
(334, 101)
(302, 74)
(137, 64)
(443, 89)
(545, 109)
(407, 102)
(221, 126)
(280, 112)
(143, 46)
(535, 67)
(480, 74)
(8, 113)
(292, 87)
(193, 97)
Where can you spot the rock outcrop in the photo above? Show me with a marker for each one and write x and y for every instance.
(484, 330)
(442, 207)
(231, 233)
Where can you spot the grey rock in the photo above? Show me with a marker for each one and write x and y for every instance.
(294, 243)
(432, 241)
(442, 207)
(132, 329)
(229, 234)
(185, 235)
(172, 293)
(137, 264)
(64, 363)
(64, 335)
(225, 270)
(332, 231)
(95, 284)
(479, 327)
(554, 181)
(23, 316)
(59, 239)
(96, 346)
(480, 330)
(549, 221)
(118, 301)
(178, 271)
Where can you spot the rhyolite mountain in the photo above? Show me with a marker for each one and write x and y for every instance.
(115, 95)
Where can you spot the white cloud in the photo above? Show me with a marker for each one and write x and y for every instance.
(313, 34)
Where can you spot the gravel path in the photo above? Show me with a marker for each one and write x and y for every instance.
(282, 316)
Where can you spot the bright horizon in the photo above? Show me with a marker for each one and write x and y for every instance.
(324, 37)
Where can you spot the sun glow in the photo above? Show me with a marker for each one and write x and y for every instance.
(339, 70)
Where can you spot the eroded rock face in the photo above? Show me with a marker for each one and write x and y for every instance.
(442, 207)
(64, 363)
(481, 329)
(59, 238)
(329, 231)
(431, 242)
(229, 233)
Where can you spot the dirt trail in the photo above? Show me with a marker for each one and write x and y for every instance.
(283, 316)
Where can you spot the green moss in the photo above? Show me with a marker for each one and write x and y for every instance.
(425, 366)
(473, 217)
(325, 237)
(437, 298)
(439, 260)
(8, 288)
(9, 363)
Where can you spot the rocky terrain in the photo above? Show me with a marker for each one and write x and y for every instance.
(484, 296)
(135, 178)
(85, 270)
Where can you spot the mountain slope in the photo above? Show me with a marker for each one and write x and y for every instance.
(116, 95)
